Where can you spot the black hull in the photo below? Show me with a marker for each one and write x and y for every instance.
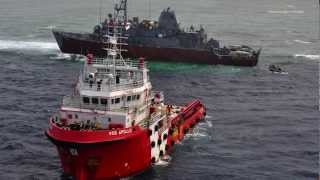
(76, 43)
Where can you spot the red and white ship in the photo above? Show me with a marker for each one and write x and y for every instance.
(114, 125)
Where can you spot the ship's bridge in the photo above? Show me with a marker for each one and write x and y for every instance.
(107, 76)
(118, 89)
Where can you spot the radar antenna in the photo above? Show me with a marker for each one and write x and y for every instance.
(114, 38)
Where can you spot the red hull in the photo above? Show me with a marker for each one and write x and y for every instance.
(112, 154)
(89, 159)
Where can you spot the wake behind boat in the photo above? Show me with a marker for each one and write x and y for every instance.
(161, 40)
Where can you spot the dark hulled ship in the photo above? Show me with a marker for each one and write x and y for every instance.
(161, 40)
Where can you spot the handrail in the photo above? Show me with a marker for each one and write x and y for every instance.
(111, 87)
(90, 136)
(122, 63)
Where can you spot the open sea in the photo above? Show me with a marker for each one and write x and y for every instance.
(260, 126)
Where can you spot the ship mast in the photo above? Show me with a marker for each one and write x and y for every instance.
(114, 35)
(121, 11)
(100, 6)
(150, 9)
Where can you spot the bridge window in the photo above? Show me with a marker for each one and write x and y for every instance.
(112, 101)
(117, 100)
(128, 98)
(103, 101)
(138, 96)
(94, 101)
(134, 97)
(101, 70)
(86, 100)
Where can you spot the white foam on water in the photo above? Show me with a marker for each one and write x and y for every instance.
(282, 73)
(196, 134)
(27, 45)
(200, 131)
(60, 56)
(163, 162)
(286, 12)
(70, 57)
(291, 6)
(302, 42)
(308, 56)
(50, 27)
(209, 123)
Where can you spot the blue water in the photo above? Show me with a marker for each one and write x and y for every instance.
(260, 125)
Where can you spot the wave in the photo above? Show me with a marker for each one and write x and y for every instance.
(308, 56)
(50, 27)
(209, 123)
(164, 162)
(286, 12)
(196, 134)
(60, 56)
(302, 42)
(291, 6)
(27, 45)
(64, 56)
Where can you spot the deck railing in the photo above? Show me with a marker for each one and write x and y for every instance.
(111, 87)
(120, 63)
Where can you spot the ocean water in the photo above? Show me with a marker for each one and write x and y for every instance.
(260, 126)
